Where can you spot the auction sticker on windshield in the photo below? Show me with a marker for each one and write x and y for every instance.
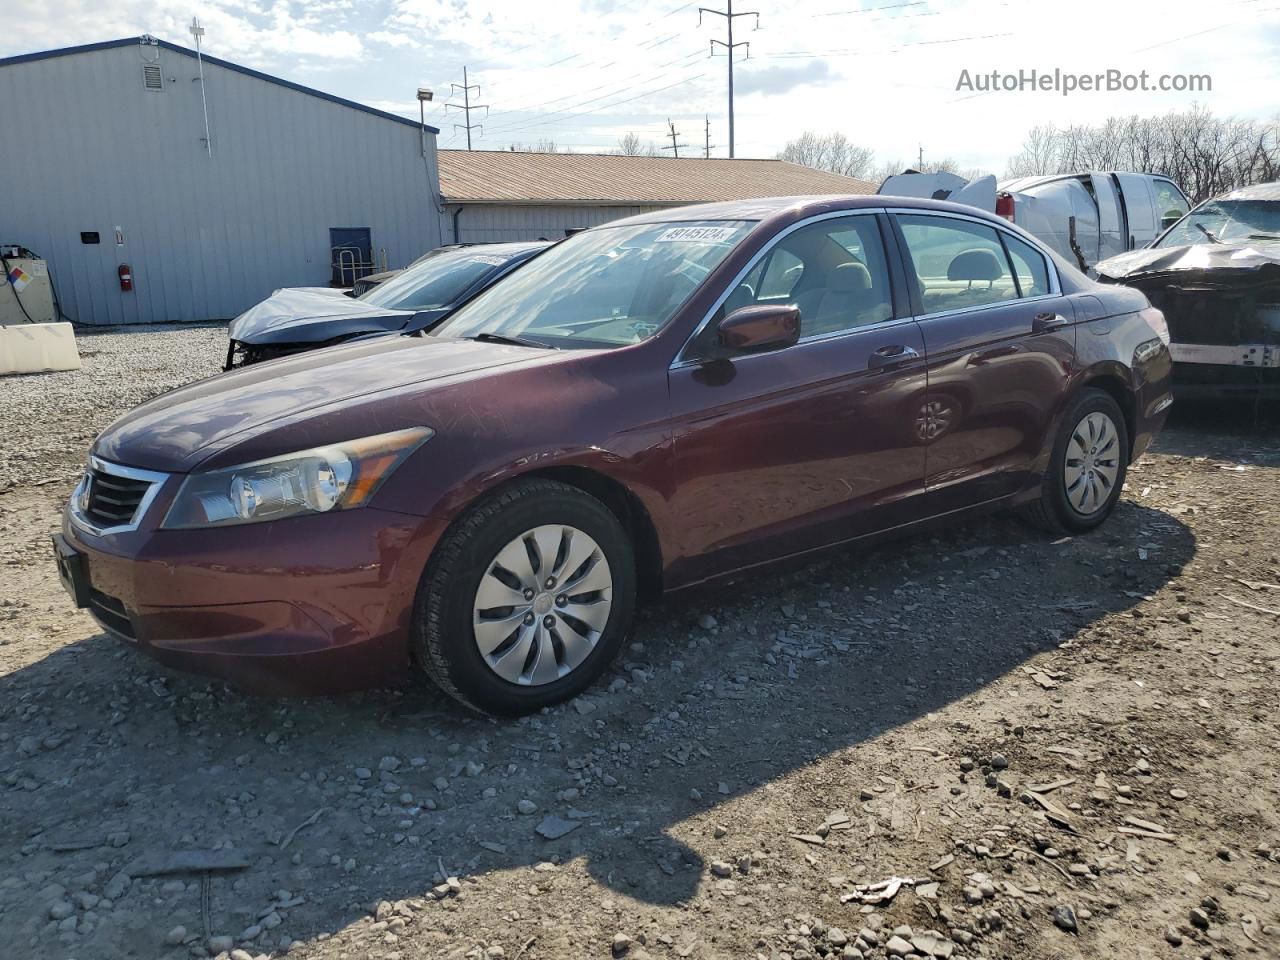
(697, 234)
(491, 261)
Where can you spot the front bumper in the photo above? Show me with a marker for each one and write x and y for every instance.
(309, 605)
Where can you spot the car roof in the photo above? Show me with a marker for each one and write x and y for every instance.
(798, 208)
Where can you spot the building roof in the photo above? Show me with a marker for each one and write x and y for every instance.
(226, 64)
(504, 176)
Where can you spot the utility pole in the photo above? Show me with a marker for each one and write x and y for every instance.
(197, 31)
(920, 159)
(706, 151)
(467, 106)
(675, 146)
(729, 46)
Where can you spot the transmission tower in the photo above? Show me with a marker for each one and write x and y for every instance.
(729, 17)
(466, 106)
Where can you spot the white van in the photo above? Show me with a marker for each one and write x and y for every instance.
(1086, 217)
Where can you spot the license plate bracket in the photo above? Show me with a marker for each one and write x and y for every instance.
(73, 570)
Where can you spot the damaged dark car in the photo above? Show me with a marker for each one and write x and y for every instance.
(417, 298)
(1215, 274)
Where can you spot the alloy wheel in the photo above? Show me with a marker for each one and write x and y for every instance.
(1092, 464)
(542, 605)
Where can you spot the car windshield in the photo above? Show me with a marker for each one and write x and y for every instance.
(437, 280)
(605, 287)
(1226, 221)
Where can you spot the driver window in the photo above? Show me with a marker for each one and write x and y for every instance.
(780, 276)
(1170, 204)
(834, 270)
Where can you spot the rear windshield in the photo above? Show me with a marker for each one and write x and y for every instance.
(1226, 221)
(605, 287)
(436, 281)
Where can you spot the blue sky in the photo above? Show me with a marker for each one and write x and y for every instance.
(584, 72)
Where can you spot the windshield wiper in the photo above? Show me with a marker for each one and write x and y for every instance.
(513, 341)
(1207, 232)
(1264, 236)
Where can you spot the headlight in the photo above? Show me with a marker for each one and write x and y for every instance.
(337, 477)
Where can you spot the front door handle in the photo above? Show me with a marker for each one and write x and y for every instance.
(1044, 322)
(891, 356)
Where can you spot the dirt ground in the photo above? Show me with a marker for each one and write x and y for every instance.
(1058, 748)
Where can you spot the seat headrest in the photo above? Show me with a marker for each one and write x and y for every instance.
(849, 278)
(975, 265)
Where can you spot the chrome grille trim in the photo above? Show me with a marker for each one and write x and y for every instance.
(102, 472)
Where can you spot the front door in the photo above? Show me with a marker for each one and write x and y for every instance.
(1000, 341)
(777, 453)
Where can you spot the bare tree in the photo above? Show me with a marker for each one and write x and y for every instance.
(631, 145)
(892, 168)
(832, 151)
(1203, 153)
(544, 145)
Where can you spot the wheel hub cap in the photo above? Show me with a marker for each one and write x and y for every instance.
(1092, 465)
(542, 605)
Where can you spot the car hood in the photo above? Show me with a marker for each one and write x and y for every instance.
(1237, 257)
(312, 315)
(178, 430)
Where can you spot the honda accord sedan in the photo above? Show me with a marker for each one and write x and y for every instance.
(648, 405)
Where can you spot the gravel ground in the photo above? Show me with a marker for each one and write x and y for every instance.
(1047, 748)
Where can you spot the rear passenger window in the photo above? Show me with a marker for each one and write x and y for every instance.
(1029, 266)
(959, 264)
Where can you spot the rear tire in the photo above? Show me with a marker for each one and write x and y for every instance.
(508, 644)
(1087, 468)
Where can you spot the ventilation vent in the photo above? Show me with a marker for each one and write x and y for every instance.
(152, 78)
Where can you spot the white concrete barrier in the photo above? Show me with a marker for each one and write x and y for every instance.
(38, 348)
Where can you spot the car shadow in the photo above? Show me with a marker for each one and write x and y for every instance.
(340, 803)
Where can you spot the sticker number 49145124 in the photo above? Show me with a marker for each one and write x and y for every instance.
(697, 235)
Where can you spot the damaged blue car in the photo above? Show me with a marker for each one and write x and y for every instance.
(294, 319)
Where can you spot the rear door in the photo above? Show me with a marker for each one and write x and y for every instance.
(1112, 237)
(1140, 208)
(781, 452)
(1000, 340)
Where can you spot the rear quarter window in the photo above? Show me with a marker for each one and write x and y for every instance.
(1029, 266)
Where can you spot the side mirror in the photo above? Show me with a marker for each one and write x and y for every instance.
(759, 328)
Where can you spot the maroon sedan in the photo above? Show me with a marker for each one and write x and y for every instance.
(648, 405)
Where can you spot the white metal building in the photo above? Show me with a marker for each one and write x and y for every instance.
(109, 166)
(493, 195)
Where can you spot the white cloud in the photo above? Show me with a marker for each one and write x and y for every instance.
(390, 39)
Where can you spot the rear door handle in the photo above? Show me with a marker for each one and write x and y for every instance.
(891, 356)
(1044, 322)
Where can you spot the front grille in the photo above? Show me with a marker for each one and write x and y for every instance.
(111, 613)
(113, 500)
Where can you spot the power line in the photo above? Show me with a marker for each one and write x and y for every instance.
(682, 61)
(853, 51)
(729, 45)
(616, 103)
(467, 106)
(543, 118)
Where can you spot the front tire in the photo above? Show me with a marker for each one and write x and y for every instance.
(1087, 468)
(527, 598)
